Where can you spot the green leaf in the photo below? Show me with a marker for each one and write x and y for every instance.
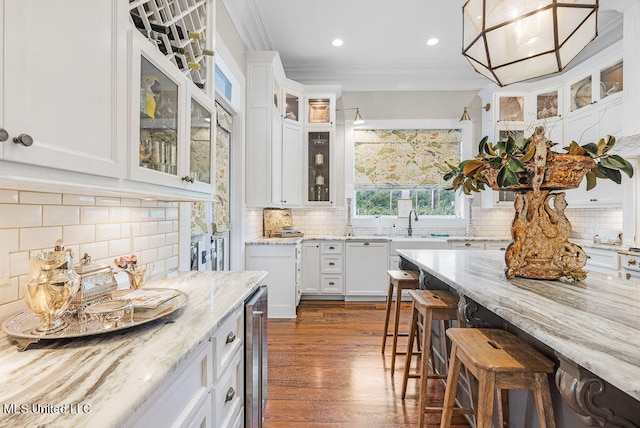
(482, 146)
(511, 145)
(591, 180)
(611, 141)
(506, 177)
(621, 163)
(514, 165)
(501, 147)
(495, 163)
(529, 154)
(592, 149)
(612, 174)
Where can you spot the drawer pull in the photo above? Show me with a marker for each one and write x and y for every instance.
(332, 248)
(366, 243)
(632, 262)
(231, 337)
(230, 394)
(628, 276)
(467, 244)
(332, 283)
(332, 264)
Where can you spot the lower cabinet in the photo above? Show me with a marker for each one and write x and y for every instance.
(207, 389)
(366, 270)
(282, 262)
(323, 268)
(602, 261)
(479, 245)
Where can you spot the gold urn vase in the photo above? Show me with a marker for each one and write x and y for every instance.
(51, 286)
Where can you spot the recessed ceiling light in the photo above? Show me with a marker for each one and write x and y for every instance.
(337, 42)
(432, 41)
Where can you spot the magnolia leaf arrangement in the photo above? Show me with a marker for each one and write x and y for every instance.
(509, 158)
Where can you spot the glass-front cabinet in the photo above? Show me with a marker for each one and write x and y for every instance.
(320, 110)
(172, 130)
(319, 174)
(292, 106)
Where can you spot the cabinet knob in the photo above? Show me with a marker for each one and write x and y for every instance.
(468, 244)
(188, 179)
(332, 283)
(4, 135)
(628, 276)
(631, 262)
(593, 200)
(332, 248)
(231, 337)
(331, 264)
(230, 394)
(366, 243)
(23, 139)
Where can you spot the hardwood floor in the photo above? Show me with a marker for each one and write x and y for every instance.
(326, 369)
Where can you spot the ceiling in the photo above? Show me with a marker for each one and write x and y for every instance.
(384, 42)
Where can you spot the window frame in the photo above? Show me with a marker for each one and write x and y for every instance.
(387, 221)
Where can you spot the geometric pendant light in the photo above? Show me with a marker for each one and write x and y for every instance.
(509, 41)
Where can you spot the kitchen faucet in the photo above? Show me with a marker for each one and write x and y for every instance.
(409, 229)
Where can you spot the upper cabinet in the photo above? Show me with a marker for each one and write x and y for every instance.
(289, 137)
(64, 68)
(172, 123)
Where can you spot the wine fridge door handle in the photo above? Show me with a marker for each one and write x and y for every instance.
(260, 316)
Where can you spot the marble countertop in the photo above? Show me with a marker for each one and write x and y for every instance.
(106, 378)
(595, 322)
(297, 240)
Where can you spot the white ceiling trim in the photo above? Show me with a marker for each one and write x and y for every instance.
(249, 20)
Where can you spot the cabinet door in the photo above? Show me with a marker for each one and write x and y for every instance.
(201, 154)
(311, 267)
(276, 158)
(291, 164)
(64, 84)
(319, 153)
(280, 263)
(366, 269)
(467, 245)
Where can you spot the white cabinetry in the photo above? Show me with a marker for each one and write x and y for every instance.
(366, 270)
(171, 140)
(602, 261)
(322, 268)
(282, 262)
(479, 245)
(64, 69)
(207, 389)
(274, 138)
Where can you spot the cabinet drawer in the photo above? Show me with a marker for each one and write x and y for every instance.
(332, 284)
(226, 341)
(180, 397)
(604, 258)
(467, 245)
(331, 264)
(228, 393)
(331, 248)
(502, 246)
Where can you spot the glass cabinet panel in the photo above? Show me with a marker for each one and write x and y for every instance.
(291, 106)
(611, 80)
(581, 94)
(200, 147)
(319, 173)
(319, 110)
(158, 120)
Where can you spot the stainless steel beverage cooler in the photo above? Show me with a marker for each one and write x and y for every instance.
(255, 376)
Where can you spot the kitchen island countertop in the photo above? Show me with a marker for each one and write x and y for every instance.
(101, 381)
(594, 323)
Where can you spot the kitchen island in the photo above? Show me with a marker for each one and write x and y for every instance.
(105, 380)
(591, 327)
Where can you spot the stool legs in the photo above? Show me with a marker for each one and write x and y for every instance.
(424, 367)
(451, 389)
(543, 401)
(386, 317)
(409, 353)
(395, 329)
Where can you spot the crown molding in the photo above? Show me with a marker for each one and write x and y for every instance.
(249, 21)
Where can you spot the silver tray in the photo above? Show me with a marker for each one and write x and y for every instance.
(22, 325)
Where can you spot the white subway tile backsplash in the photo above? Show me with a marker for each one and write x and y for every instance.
(19, 263)
(157, 213)
(165, 252)
(171, 263)
(164, 226)
(16, 216)
(119, 215)
(40, 198)
(157, 240)
(106, 232)
(39, 237)
(8, 196)
(97, 250)
(139, 214)
(81, 234)
(107, 202)
(94, 215)
(151, 228)
(171, 238)
(119, 247)
(58, 215)
(141, 243)
(78, 200)
(171, 213)
(9, 239)
(127, 202)
(147, 203)
(9, 292)
(148, 256)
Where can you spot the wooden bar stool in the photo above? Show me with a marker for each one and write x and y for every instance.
(428, 306)
(400, 280)
(499, 361)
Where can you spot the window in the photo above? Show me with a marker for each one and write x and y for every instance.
(405, 163)
(223, 84)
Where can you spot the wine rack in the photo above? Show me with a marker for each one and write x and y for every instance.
(178, 29)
